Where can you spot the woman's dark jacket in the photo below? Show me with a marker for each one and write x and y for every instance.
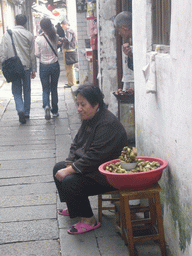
(98, 140)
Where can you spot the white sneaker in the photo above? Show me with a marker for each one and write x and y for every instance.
(47, 113)
(55, 114)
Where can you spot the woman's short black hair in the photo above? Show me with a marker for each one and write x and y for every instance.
(92, 94)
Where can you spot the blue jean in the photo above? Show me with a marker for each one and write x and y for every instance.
(49, 75)
(19, 87)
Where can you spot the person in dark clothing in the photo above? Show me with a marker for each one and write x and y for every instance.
(100, 138)
(123, 24)
(60, 32)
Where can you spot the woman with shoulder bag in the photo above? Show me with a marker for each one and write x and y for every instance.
(46, 51)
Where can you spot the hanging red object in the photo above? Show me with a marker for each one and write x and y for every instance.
(56, 13)
(51, 7)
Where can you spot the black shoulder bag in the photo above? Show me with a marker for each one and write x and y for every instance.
(50, 45)
(12, 68)
(71, 57)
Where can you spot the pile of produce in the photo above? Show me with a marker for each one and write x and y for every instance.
(127, 92)
(129, 156)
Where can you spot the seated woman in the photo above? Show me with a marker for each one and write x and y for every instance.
(100, 138)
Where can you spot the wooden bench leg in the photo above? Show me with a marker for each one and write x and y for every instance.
(129, 228)
(100, 208)
(122, 219)
(160, 224)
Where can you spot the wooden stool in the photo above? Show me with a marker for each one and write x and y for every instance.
(101, 199)
(142, 229)
(134, 210)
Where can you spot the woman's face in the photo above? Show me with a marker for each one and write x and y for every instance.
(85, 109)
(125, 32)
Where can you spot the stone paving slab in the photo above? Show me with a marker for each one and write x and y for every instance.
(79, 245)
(63, 145)
(74, 119)
(23, 231)
(26, 213)
(112, 245)
(30, 172)
(22, 132)
(25, 143)
(26, 180)
(31, 166)
(72, 110)
(3, 105)
(62, 126)
(26, 200)
(27, 189)
(73, 133)
(11, 140)
(75, 126)
(62, 114)
(40, 146)
(37, 248)
(149, 248)
(28, 154)
(43, 127)
(31, 122)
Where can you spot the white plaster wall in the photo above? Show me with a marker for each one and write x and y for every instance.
(9, 17)
(71, 14)
(82, 34)
(106, 11)
(78, 22)
(164, 120)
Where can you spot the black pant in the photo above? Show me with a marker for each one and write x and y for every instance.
(75, 189)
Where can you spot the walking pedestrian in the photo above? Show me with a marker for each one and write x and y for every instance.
(69, 44)
(49, 69)
(61, 34)
(24, 43)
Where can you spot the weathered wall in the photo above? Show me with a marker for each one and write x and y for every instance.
(106, 10)
(82, 34)
(71, 14)
(78, 22)
(164, 119)
(8, 15)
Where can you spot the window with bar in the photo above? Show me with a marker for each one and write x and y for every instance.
(161, 21)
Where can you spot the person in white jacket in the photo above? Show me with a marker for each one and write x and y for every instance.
(24, 43)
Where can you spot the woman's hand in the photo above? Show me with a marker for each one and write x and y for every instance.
(127, 50)
(61, 174)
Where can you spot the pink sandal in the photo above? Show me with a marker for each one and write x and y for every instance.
(64, 212)
(81, 228)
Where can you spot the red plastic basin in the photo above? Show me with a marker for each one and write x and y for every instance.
(134, 181)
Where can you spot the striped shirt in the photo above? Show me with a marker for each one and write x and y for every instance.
(43, 50)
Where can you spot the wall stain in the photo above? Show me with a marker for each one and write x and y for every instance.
(180, 210)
